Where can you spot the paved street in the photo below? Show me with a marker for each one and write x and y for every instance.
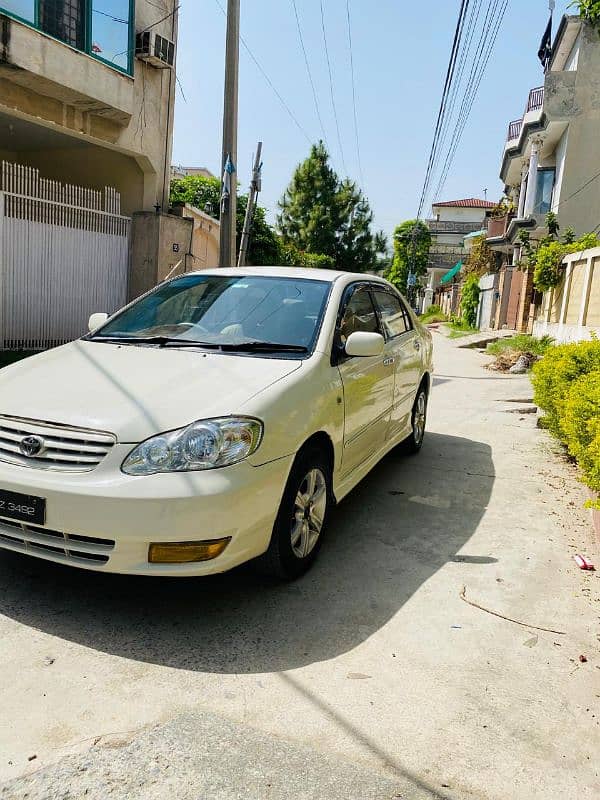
(369, 679)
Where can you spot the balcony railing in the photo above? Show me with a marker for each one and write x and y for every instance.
(447, 226)
(535, 102)
(514, 129)
(536, 99)
(498, 226)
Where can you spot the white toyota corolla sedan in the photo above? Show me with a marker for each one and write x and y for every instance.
(215, 420)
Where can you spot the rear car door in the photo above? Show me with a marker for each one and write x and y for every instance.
(405, 347)
(368, 382)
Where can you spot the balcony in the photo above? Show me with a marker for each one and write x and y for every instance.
(448, 226)
(444, 256)
(533, 113)
(498, 226)
(536, 100)
(514, 130)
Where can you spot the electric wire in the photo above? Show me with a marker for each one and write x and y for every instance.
(335, 114)
(471, 29)
(443, 102)
(490, 32)
(309, 73)
(353, 76)
(475, 63)
(269, 81)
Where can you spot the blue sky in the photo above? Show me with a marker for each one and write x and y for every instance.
(401, 54)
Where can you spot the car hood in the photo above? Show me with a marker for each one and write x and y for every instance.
(133, 392)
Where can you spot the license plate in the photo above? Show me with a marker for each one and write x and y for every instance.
(22, 507)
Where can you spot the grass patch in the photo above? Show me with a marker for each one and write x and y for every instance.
(11, 356)
(433, 314)
(458, 328)
(521, 343)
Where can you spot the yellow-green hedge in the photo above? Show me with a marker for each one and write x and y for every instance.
(567, 387)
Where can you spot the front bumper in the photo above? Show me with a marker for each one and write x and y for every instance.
(105, 520)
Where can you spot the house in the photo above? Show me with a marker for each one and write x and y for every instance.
(550, 158)
(178, 172)
(86, 120)
(450, 223)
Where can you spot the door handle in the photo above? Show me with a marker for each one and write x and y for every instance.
(417, 344)
(388, 361)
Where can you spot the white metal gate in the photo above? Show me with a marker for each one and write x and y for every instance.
(64, 253)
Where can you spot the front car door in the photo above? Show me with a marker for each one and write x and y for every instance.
(368, 382)
(405, 347)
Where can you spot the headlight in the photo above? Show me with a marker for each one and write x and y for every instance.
(202, 445)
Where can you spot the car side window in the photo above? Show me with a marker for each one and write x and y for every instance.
(394, 316)
(358, 314)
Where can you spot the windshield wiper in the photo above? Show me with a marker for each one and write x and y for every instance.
(173, 341)
(161, 341)
(264, 347)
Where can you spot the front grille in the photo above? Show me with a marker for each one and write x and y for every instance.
(69, 548)
(64, 449)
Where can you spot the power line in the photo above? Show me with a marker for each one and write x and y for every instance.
(356, 133)
(269, 82)
(337, 124)
(471, 28)
(442, 108)
(309, 72)
(488, 39)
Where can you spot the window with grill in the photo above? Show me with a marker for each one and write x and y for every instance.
(64, 19)
(101, 28)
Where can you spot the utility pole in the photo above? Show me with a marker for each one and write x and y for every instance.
(227, 248)
(255, 187)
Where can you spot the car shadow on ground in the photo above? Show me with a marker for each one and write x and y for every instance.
(407, 519)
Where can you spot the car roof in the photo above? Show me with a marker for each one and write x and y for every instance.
(328, 275)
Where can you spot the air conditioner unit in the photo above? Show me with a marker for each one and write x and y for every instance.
(155, 49)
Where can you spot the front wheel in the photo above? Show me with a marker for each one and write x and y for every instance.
(418, 421)
(302, 518)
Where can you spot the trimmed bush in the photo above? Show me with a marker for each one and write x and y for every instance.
(555, 374)
(581, 425)
(567, 387)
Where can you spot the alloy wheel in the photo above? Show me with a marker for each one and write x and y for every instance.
(308, 517)
(419, 418)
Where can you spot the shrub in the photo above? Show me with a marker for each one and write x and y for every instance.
(581, 426)
(521, 343)
(469, 300)
(547, 259)
(554, 375)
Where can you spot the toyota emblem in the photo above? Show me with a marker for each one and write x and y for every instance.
(31, 446)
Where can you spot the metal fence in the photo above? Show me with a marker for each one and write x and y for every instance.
(64, 253)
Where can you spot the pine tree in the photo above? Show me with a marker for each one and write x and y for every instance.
(311, 213)
(321, 214)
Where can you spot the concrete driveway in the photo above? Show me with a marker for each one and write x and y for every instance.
(369, 678)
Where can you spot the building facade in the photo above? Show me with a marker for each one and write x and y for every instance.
(79, 105)
(550, 158)
(450, 223)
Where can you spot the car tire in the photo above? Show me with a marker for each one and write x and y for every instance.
(418, 421)
(302, 518)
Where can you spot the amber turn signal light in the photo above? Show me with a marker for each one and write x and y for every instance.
(185, 552)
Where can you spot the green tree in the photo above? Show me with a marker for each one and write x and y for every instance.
(589, 10)
(412, 240)
(205, 194)
(321, 214)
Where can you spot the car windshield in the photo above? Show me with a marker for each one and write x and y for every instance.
(252, 313)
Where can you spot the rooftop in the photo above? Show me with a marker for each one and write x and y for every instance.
(470, 202)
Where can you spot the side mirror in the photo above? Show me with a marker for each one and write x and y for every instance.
(363, 344)
(96, 321)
